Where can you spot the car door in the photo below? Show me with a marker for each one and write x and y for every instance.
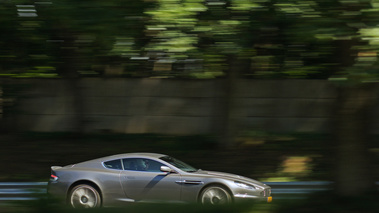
(142, 180)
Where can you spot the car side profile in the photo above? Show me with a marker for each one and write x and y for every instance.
(148, 177)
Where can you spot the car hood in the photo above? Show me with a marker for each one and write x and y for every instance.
(231, 176)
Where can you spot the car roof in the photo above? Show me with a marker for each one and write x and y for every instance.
(96, 163)
(128, 155)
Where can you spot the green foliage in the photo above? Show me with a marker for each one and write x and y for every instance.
(171, 25)
(329, 202)
(286, 39)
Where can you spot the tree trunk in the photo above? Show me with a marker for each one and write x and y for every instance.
(353, 113)
(79, 122)
(9, 91)
(68, 69)
(229, 126)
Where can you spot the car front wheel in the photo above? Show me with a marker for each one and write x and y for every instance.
(215, 195)
(84, 196)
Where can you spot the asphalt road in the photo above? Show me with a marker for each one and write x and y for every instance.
(18, 191)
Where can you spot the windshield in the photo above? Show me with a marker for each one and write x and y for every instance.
(178, 164)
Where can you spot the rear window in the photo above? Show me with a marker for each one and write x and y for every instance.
(113, 164)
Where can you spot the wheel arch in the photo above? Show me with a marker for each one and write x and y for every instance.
(87, 182)
(222, 185)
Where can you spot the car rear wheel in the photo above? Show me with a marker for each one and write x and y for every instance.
(84, 196)
(215, 195)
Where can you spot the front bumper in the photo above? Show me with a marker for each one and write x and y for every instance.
(256, 194)
(246, 197)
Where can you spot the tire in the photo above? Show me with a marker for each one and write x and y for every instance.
(215, 195)
(84, 196)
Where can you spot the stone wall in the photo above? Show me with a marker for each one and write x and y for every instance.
(176, 106)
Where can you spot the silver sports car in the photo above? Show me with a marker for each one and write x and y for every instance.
(148, 177)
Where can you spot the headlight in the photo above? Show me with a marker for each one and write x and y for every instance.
(244, 185)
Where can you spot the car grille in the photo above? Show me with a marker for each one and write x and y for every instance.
(266, 192)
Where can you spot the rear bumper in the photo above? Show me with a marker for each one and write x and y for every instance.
(56, 190)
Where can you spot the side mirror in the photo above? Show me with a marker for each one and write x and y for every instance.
(167, 169)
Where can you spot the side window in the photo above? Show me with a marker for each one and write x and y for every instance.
(130, 164)
(113, 164)
(153, 166)
(142, 164)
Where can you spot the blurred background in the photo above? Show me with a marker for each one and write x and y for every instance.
(278, 91)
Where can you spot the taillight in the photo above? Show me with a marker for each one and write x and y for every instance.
(53, 177)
